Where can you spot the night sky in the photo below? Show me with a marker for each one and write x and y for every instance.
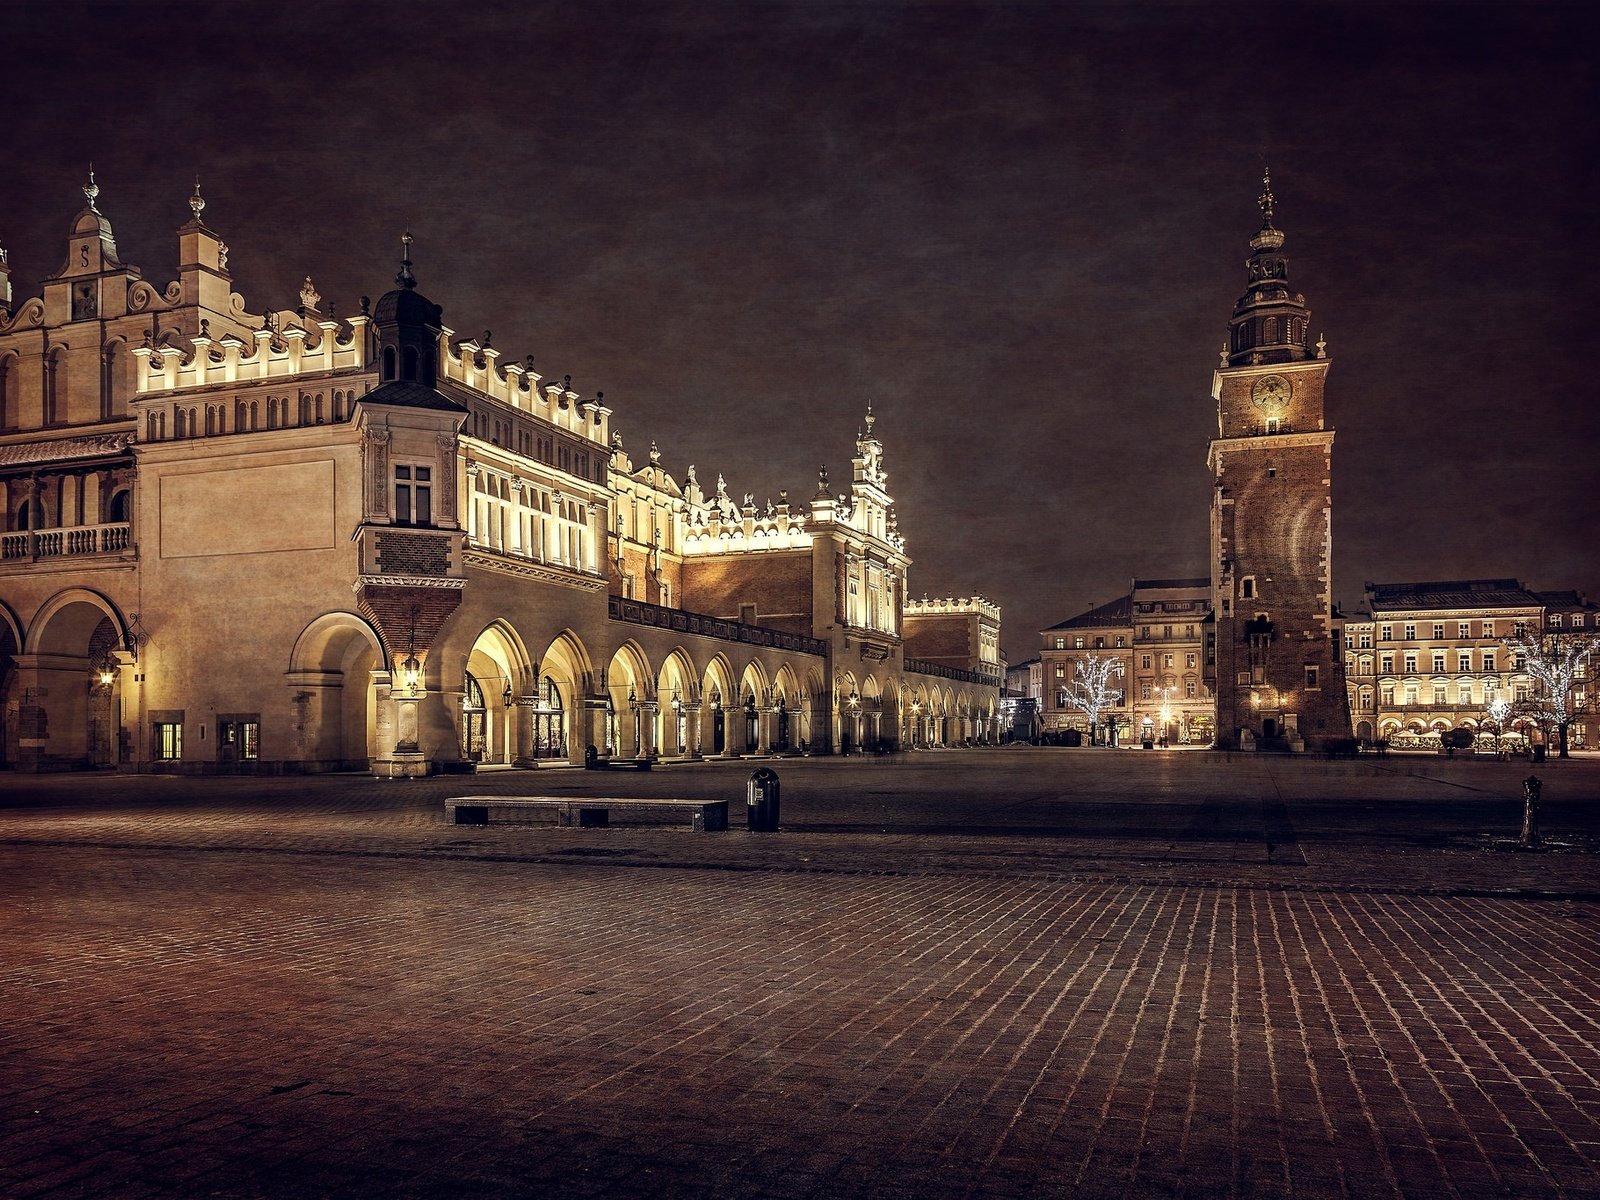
(1016, 230)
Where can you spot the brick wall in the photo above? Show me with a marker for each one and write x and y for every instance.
(777, 584)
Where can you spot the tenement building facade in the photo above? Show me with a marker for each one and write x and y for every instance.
(295, 541)
(1430, 657)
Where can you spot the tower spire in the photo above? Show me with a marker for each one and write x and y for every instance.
(405, 278)
(1266, 200)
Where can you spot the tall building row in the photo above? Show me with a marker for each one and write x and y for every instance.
(294, 541)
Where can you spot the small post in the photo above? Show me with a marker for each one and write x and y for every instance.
(1530, 811)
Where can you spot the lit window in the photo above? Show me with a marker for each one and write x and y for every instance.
(168, 739)
(1438, 694)
(1555, 620)
(1061, 643)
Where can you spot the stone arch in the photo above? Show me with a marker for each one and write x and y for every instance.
(333, 692)
(10, 699)
(67, 684)
(718, 693)
(630, 700)
(752, 700)
(494, 675)
(558, 723)
(676, 689)
(847, 716)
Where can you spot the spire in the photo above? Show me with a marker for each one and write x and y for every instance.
(405, 278)
(1270, 321)
(197, 202)
(91, 190)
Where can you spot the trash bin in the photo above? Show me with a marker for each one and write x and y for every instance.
(761, 801)
(1148, 743)
(1538, 752)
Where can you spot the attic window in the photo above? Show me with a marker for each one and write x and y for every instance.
(1272, 472)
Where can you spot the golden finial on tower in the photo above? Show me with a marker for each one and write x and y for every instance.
(1266, 199)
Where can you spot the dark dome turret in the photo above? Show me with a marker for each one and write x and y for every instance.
(408, 327)
(1271, 320)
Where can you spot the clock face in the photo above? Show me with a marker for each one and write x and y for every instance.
(1271, 394)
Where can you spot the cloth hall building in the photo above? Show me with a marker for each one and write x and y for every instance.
(295, 541)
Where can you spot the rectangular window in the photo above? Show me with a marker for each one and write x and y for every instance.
(1188, 689)
(413, 495)
(1411, 695)
(1464, 660)
(1166, 631)
(1555, 620)
(1188, 631)
(1061, 671)
(1577, 620)
(1438, 660)
(1465, 691)
(1121, 641)
(1411, 664)
(1411, 633)
(1311, 677)
(1249, 588)
(1386, 633)
(1464, 629)
(1388, 696)
(1366, 640)
(1488, 660)
(1144, 691)
(1438, 694)
(1144, 662)
(1488, 629)
(1061, 643)
(1523, 693)
(1188, 661)
(1100, 643)
(1166, 662)
(168, 740)
(1388, 664)
(1438, 630)
(1077, 643)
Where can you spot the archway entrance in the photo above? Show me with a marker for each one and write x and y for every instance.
(474, 720)
(64, 700)
(334, 697)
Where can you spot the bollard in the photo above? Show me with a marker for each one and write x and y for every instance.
(1531, 787)
(761, 801)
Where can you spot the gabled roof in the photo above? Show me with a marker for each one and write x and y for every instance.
(1452, 593)
(1113, 613)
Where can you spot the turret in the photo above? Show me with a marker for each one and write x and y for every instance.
(1270, 321)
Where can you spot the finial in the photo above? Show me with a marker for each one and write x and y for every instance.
(1222, 355)
(308, 295)
(197, 201)
(405, 278)
(871, 420)
(1322, 345)
(566, 383)
(91, 190)
(1266, 199)
(488, 338)
(655, 455)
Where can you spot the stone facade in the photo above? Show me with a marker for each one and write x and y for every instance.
(294, 541)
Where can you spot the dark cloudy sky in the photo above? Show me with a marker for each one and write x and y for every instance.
(1017, 230)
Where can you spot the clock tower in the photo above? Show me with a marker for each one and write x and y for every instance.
(1279, 681)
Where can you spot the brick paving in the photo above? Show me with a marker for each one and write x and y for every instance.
(966, 976)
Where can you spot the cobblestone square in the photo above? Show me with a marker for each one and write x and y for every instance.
(1011, 973)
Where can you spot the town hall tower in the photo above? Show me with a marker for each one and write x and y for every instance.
(1277, 668)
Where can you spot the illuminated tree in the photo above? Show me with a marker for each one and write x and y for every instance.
(1557, 663)
(1090, 691)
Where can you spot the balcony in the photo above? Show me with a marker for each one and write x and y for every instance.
(77, 541)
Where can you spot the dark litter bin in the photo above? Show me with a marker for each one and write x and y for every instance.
(1538, 752)
(761, 801)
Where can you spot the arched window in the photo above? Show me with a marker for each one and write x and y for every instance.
(8, 392)
(409, 364)
(254, 412)
(1270, 334)
(178, 423)
(54, 369)
(305, 410)
(388, 363)
(110, 367)
(30, 515)
(240, 420)
(121, 508)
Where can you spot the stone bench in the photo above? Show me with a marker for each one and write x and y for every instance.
(585, 812)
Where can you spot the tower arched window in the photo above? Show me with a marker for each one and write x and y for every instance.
(1270, 334)
(388, 363)
(54, 369)
(408, 364)
(8, 392)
